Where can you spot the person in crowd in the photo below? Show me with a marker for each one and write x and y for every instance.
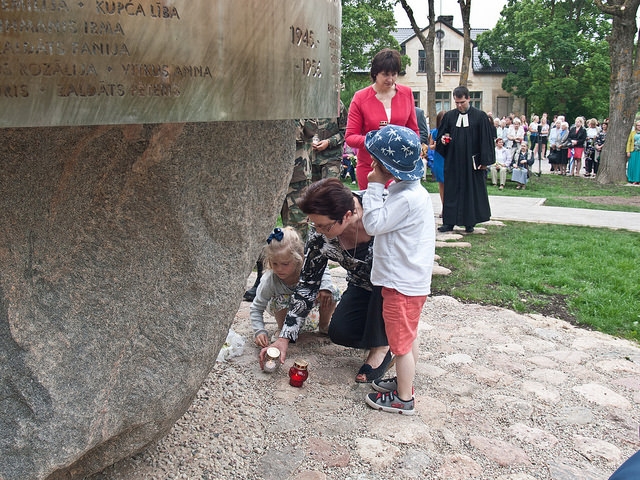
(502, 165)
(599, 143)
(534, 140)
(300, 179)
(534, 127)
(427, 160)
(324, 138)
(521, 164)
(590, 148)
(437, 166)
(505, 132)
(283, 256)
(543, 136)
(558, 155)
(403, 254)
(525, 126)
(492, 123)
(577, 139)
(465, 140)
(382, 103)
(496, 124)
(633, 155)
(554, 148)
(515, 136)
(337, 234)
(564, 144)
(508, 121)
(348, 160)
(423, 126)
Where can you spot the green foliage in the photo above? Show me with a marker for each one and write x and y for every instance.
(556, 54)
(352, 84)
(366, 29)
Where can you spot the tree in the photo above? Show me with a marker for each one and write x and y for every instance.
(624, 89)
(465, 11)
(427, 44)
(366, 29)
(555, 54)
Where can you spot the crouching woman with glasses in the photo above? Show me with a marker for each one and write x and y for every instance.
(335, 213)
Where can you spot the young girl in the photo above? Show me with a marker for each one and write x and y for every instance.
(543, 135)
(283, 258)
(577, 139)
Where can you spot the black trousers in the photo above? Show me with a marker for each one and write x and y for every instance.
(357, 321)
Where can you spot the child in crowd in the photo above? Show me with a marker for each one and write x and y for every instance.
(348, 159)
(403, 252)
(283, 258)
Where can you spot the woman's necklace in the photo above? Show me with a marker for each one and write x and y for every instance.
(355, 244)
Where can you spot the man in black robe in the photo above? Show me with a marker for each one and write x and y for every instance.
(466, 141)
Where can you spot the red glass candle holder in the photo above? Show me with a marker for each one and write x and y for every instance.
(298, 373)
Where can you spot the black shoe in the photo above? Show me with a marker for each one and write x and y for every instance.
(468, 229)
(367, 374)
(250, 294)
(445, 228)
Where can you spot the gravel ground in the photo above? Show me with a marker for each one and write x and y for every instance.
(498, 396)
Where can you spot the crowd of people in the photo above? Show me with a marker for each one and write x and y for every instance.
(571, 149)
(383, 234)
(567, 148)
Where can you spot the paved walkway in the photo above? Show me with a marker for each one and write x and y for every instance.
(499, 396)
(529, 209)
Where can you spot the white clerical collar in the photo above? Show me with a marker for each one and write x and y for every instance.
(463, 120)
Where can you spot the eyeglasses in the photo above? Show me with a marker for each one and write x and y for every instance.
(322, 228)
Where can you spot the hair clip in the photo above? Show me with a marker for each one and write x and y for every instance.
(277, 234)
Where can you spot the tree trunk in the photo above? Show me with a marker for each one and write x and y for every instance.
(624, 92)
(431, 71)
(465, 10)
(427, 43)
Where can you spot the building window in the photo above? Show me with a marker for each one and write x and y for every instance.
(416, 99)
(422, 62)
(443, 101)
(475, 100)
(452, 61)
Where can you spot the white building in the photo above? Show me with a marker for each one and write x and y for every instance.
(484, 83)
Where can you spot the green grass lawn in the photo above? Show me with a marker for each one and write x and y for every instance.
(573, 192)
(587, 276)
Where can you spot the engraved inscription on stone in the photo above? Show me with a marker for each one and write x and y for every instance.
(92, 62)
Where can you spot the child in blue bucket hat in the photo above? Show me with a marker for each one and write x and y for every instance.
(403, 251)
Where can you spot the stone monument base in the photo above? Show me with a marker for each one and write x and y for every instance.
(124, 254)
